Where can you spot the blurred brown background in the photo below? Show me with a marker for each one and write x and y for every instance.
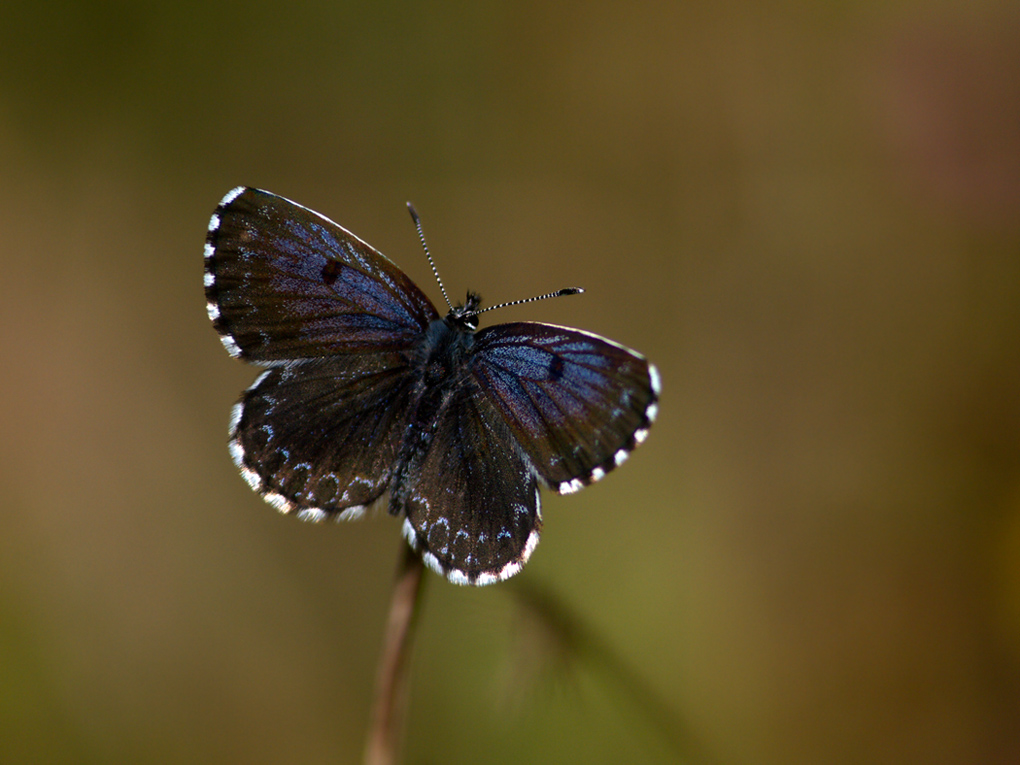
(808, 214)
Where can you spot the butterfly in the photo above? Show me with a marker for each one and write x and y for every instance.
(368, 390)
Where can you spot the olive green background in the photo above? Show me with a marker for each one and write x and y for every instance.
(806, 213)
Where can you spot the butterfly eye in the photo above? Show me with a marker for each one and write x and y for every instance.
(465, 316)
(462, 319)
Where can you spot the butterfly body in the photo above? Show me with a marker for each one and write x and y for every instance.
(369, 391)
(442, 364)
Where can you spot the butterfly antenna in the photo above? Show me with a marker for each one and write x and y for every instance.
(558, 293)
(421, 236)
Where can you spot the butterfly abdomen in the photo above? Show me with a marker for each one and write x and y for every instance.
(441, 374)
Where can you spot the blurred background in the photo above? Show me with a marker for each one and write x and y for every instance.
(807, 214)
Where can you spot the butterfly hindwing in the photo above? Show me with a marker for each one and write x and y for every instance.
(576, 403)
(474, 510)
(320, 439)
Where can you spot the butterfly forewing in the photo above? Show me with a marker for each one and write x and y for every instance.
(576, 403)
(284, 283)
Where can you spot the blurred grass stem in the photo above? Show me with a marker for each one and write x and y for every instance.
(386, 732)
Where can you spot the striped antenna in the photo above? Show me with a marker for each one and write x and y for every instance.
(421, 236)
(558, 293)
(424, 244)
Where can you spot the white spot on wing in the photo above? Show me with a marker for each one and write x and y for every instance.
(228, 342)
(510, 569)
(214, 222)
(640, 435)
(236, 453)
(209, 251)
(254, 479)
(569, 487)
(653, 377)
(514, 566)
(410, 534)
(652, 412)
(433, 563)
(351, 513)
(598, 474)
(530, 546)
(278, 501)
(312, 514)
(231, 195)
(208, 280)
(235, 417)
(213, 310)
(620, 457)
(259, 379)
(458, 577)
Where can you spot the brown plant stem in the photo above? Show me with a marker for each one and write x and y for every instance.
(385, 733)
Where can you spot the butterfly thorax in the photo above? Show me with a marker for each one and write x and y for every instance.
(441, 359)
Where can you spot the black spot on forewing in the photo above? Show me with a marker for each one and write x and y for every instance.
(331, 271)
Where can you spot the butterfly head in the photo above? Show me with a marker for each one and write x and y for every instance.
(466, 314)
